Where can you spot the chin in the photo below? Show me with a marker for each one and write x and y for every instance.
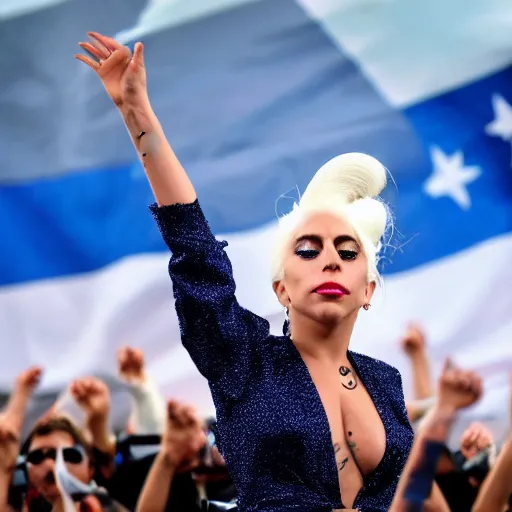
(51, 495)
(333, 313)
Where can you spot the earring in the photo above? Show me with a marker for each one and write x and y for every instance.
(366, 306)
(286, 325)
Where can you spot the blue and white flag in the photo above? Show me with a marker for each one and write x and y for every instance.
(254, 97)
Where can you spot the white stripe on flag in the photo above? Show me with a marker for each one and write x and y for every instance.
(412, 51)
(73, 326)
(13, 8)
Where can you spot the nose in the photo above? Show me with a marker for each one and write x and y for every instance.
(48, 465)
(331, 259)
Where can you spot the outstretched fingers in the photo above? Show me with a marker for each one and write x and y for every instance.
(108, 43)
(138, 55)
(87, 60)
(99, 48)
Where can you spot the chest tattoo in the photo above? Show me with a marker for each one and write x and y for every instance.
(348, 379)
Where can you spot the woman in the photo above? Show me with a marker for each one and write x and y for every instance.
(305, 424)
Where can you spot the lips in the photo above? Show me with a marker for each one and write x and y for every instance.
(332, 290)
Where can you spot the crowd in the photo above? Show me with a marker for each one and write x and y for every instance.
(168, 459)
(165, 459)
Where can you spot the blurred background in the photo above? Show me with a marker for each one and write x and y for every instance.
(254, 95)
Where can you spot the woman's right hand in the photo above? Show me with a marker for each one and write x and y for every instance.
(123, 75)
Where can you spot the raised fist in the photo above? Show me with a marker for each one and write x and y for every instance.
(184, 437)
(475, 439)
(458, 389)
(28, 380)
(92, 395)
(413, 340)
(130, 365)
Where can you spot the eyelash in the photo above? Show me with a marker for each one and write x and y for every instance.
(310, 254)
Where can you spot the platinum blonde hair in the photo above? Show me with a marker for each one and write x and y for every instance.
(346, 186)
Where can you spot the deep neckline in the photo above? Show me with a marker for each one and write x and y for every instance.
(355, 360)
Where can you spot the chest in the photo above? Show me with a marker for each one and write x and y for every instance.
(354, 421)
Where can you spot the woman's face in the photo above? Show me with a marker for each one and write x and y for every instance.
(325, 271)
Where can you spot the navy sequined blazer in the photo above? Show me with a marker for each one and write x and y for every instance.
(274, 432)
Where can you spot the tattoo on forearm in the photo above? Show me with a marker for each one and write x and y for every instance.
(141, 134)
(348, 379)
(145, 141)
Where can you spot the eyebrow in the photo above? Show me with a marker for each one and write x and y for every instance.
(318, 240)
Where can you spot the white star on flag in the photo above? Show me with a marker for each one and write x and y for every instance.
(502, 124)
(450, 177)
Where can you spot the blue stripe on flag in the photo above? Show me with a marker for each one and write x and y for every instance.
(456, 122)
(266, 105)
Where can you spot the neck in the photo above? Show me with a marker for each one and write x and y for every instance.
(322, 341)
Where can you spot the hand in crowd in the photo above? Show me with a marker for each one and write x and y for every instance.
(123, 75)
(458, 389)
(11, 420)
(28, 380)
(130, 365)
(413, 341)
(9, 444)
(92, 395)
(183, 438)
(475, 439)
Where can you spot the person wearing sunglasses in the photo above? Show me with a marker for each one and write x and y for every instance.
(40, 451)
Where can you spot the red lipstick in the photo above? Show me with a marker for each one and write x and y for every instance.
(332, 289)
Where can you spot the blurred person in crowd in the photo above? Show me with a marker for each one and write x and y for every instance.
(458, 474)
(93, 397)
(40, 451)
(462, 473)
(148, 405)
(11, 423)
(495, 493)
(183, 439)
(304, 422)
(457, 390)
(188, 486)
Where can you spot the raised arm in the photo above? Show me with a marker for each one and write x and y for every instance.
(124, 77)
(216, 331)
(457, 390)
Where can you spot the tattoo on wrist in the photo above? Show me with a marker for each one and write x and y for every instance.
(348, 380)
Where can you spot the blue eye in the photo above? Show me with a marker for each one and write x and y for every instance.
(307, 254)
(347, 255)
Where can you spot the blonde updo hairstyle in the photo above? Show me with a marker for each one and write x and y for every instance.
(346, 186)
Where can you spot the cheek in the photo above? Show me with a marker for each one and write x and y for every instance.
(356, 278)
(81, 471)
(295, 277)
(36, 474)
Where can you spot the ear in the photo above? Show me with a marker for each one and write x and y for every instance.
(281, 293)
(368, 293)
